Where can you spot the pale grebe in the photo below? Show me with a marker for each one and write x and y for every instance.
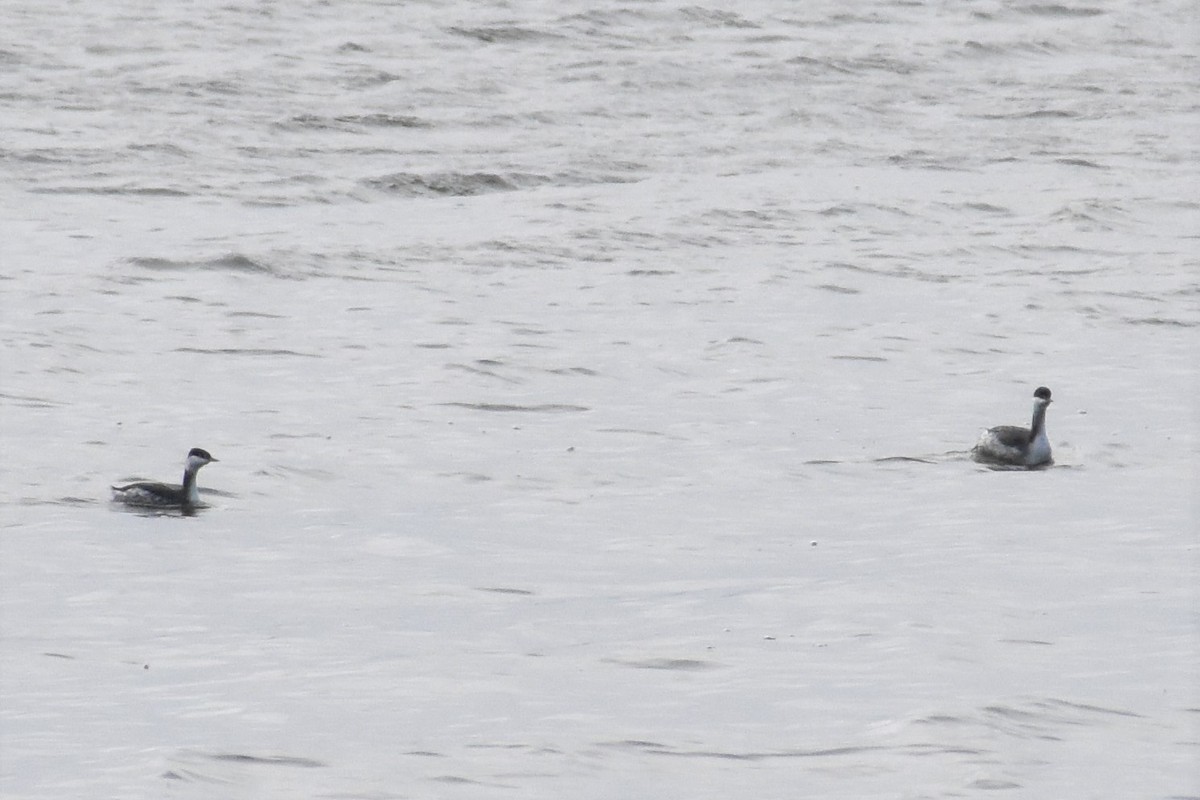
(1009, 444)
(167, 495)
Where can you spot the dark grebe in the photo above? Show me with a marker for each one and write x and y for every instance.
(1025, 447)
(167, 495)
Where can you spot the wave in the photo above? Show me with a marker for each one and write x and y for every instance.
(231, 262)
(512, 407)
(467, 184)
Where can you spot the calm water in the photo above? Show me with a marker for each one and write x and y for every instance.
(592, 385)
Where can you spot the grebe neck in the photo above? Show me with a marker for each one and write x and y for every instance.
(191, 493)
(1038, 426)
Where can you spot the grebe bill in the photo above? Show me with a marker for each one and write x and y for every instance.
(1013, 445)
(167, 495)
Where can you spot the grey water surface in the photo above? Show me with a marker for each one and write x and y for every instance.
(592, 386)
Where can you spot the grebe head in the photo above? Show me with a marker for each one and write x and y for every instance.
(197, 458)
(1041, 396)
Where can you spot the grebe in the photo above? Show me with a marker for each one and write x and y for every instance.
(1025, 447)
(167, 495)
